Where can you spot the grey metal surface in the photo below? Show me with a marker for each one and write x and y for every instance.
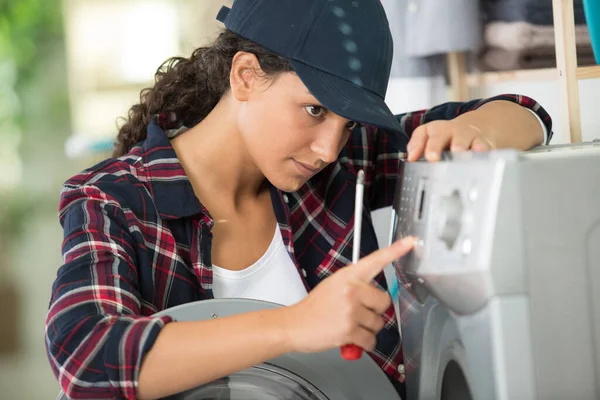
(324, 376)
(452, 207)
(507, 272)
(265, 382)
(561, 193)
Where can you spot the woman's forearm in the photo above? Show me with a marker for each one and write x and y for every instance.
(508, 124)
(189, 354)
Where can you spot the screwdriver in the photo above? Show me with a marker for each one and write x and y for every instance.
(351, 351)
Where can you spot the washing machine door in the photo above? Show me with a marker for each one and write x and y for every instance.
(265, 381)
(292, 376)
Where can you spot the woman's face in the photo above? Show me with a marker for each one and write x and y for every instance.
(288, 134)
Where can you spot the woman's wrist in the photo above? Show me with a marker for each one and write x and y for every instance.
(279, 325)
(507, 125)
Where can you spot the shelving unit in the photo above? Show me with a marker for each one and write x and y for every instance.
(529, 75)
(567, 72)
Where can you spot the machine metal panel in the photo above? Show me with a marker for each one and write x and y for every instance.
(561, 198)
(452, 206)
(509, 255)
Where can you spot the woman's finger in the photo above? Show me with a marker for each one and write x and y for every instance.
(417, 142)
(462, 142)
(440, 135)
(374, 298)
(481, 143)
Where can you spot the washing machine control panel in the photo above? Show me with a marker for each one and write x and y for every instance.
(449, 206)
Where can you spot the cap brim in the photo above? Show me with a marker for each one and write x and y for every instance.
(347, 99)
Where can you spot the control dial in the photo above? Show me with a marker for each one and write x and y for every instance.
(450, 219)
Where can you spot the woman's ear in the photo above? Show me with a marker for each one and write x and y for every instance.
(245, 75)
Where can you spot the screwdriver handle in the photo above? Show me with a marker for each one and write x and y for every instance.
(351, 352)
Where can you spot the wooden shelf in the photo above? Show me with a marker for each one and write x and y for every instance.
(486, 78)
(545, 74)
(592, 72)
(566, 73)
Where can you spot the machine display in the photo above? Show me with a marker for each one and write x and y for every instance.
(501, 297)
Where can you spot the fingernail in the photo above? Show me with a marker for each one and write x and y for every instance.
(433, 156)
(408, 240)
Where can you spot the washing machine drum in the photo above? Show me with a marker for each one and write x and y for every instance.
(266, 382)
(293, 376)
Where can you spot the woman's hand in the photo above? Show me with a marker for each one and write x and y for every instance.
(498, 124)
(346, 307)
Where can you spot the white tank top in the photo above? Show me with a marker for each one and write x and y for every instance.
(274, 278)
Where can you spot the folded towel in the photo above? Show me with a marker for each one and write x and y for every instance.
(537, 12)
(523, 35)
(493, 59)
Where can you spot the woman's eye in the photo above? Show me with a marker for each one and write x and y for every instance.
(353, 125)
(315, 111)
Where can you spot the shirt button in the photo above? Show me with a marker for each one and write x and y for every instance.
(304, 274)
(401, 369)
(402, 372)
(412, 7)
(285, 199)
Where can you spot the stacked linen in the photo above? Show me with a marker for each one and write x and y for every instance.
(519, 34)
(536, 12)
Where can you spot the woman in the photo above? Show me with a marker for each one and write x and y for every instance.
(245, 159)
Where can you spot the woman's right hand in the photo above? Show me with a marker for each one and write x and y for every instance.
(344, 308)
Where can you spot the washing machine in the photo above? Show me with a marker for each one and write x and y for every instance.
(293, 376)
(500, 298)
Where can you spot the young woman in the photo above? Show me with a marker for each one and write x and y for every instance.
(234, 177)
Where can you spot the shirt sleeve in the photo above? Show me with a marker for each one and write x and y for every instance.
(412, 120)
(95, 336)
(544, 128)
(378, 151)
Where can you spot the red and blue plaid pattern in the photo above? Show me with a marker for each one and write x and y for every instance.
(137, 241)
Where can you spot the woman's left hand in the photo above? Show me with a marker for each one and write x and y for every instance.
(498, 124)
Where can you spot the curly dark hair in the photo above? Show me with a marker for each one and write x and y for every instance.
(192, 87)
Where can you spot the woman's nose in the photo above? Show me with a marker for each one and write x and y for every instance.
(329, 141)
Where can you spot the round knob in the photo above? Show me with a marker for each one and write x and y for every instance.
(451, 210)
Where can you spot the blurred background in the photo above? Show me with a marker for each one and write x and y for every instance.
(69, 69)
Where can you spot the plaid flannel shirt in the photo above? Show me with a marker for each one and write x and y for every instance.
(138, 241)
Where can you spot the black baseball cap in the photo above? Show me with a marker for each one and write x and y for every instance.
(341, 50)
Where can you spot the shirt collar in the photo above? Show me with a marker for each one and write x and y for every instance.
(172, 191)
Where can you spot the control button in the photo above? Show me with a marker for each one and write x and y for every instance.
(467, 246)
(419, 248)
(473, 195)
(451, 211)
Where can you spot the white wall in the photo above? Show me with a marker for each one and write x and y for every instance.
(548, 95)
